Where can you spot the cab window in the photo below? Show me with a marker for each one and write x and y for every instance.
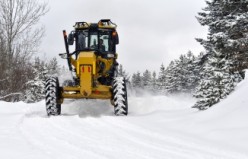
(82, 40)
(105, 37)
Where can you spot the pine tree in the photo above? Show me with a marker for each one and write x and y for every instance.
(216, 82)
(137, 80)
(161, 84)
(227, 22)
(226, 39)
(122, 73)
(181, 78)
(35, 86)
(198, 64)
(52, 67)
(147, 80)
(34, 91)
(171, 77)
(180, 75)
(154, 83)
(191, 77)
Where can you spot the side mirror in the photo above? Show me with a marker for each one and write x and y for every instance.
(115, 37)
(71, 39)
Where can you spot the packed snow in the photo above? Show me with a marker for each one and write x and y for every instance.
(157, 127)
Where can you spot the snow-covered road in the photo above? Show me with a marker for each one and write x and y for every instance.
(157, 127)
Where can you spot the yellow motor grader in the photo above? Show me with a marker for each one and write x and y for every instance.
(94, 68)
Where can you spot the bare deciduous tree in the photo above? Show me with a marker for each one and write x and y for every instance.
(19, 40)
(18, 19)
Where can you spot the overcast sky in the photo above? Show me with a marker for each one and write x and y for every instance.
(150, 32)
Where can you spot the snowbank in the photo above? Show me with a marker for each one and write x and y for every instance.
(157, 127)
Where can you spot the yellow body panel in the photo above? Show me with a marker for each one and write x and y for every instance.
(87, 66)
(86, 58)
(86, 80)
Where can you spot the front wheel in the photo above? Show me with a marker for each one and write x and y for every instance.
(53, 95)
(120, 96)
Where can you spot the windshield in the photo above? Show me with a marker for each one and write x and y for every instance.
(95, 40)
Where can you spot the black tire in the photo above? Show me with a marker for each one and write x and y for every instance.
(120, 96)
(53, 95)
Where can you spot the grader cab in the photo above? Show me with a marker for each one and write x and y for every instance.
(94, 68)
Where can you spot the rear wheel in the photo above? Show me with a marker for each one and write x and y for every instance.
(53, 95)
(120, 96)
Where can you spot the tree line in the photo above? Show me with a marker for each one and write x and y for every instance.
(20, 37)
(212, 75)
(180, 76)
